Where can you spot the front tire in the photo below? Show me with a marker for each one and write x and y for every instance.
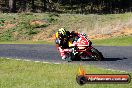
(96, 55)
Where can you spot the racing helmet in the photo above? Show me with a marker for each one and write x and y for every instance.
(61, 32)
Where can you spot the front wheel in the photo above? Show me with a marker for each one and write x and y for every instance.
(96, 55)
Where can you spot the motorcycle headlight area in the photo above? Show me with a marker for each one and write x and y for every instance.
(81, 47)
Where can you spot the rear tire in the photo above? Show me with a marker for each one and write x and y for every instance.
(96, 55)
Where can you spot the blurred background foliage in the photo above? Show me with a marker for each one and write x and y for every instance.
(67, 6)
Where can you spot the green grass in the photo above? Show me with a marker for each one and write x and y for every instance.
(21, 74)
(82, 23)
(115, 41)
(23, 29)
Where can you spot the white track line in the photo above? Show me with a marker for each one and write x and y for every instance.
(45, 62)
(32, 61)
(55, 63)
(26, 60)
(18, 59)
(37, 61)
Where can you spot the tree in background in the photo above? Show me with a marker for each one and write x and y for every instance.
(23, 5)
(12, 5)
(33, 6)
(44, 5)
(67, 6)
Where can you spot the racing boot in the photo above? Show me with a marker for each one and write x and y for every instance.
(62, 53)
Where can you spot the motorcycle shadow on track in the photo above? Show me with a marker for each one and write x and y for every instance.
(106, 59)
(114, 59)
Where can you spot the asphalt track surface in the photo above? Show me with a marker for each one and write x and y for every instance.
(118, 58)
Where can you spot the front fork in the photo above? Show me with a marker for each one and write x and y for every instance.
(86, 52)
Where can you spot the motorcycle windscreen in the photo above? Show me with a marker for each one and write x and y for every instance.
(82, 41)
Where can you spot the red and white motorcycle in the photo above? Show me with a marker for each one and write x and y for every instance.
(81, 48)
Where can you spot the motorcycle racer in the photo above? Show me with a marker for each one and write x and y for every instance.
(76, 46)
(63, 40)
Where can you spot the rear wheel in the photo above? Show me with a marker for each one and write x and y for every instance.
(96, 55)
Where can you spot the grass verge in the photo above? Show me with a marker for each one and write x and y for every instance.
(38, 26)
(115, 41)
(21, 74)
